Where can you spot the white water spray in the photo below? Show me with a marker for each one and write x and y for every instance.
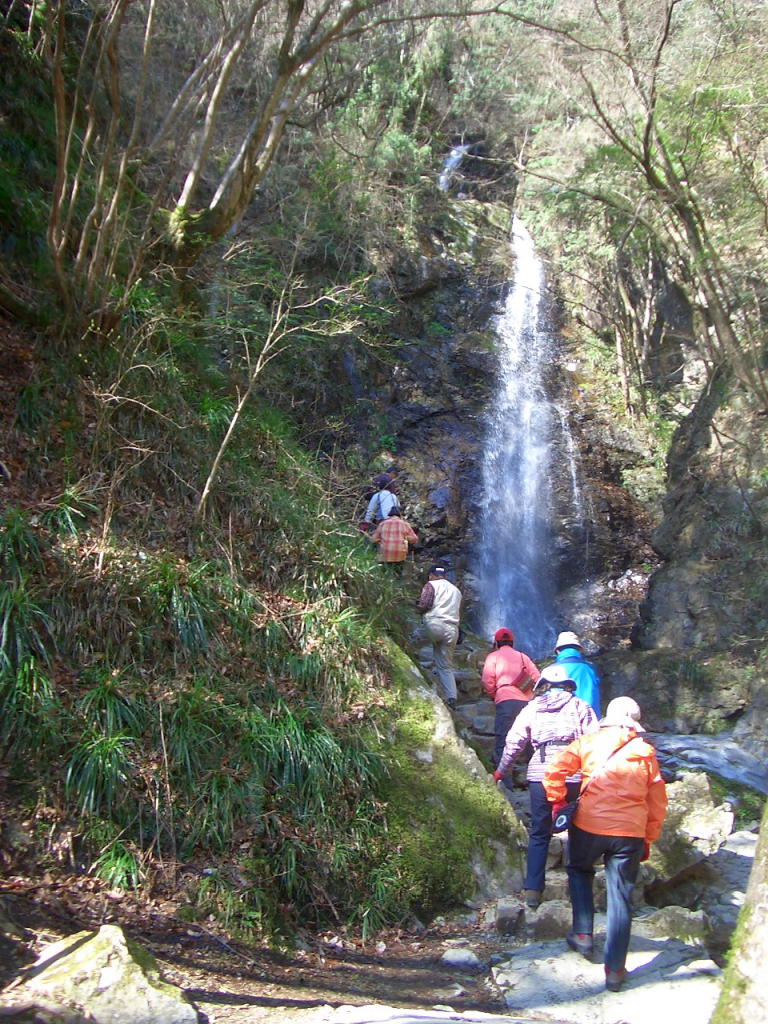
(450, 164)
(515, 572)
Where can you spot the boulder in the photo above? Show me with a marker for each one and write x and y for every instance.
(461, 958)
(495, 864)
(465, 713)
(731, 865)
(551, 921)
(510, 916)
(721, 924)
(556, 886)
(502, 874)
(483, 725)
(39, 1011)
(556, 852)
(690, 926)
(693, 829)
(751, 731)
(110, 978)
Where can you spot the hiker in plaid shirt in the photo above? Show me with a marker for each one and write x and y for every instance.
(392, 537)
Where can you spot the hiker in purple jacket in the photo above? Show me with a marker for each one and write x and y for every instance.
(549, 723)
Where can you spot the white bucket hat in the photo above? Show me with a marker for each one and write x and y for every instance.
(567, 639)
(623, 711)
(554, 675)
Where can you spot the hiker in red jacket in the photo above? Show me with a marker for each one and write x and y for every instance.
(508, 677)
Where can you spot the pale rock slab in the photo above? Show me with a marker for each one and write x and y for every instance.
(690, 926)
(460, 957)
(668, 981)
(693, 829)
(391, 1015)
(111, 978)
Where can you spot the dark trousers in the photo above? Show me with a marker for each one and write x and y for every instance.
(506, 712)
(541, 832)
(621, 856)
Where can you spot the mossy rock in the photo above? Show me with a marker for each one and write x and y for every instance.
(458, 839)
(110, 977)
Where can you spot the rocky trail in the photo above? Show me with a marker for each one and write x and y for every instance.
(497, 960)
(501, 961)
(461, 970)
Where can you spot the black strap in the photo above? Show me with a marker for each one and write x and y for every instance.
(558, 739)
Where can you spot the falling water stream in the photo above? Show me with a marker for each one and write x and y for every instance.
(450, 165)
(515, 557)
(514, 570)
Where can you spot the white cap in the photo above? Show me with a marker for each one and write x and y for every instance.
(567, 639)
(623, 711)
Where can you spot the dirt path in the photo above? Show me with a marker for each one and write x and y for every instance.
(238, 985)
(537, 978)
(233, 983)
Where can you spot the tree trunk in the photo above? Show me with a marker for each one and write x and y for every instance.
(744, 997)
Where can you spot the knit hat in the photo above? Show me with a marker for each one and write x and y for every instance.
(623, 711)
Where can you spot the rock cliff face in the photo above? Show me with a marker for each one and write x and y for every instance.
(434, 399)
(708, 593)
(670, 595)
(706, 610)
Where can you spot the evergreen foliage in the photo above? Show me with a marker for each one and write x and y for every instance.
(208, 698)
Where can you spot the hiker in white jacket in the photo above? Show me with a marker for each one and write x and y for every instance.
(440, 606)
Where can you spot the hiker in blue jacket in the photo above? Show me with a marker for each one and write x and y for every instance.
(568, 651)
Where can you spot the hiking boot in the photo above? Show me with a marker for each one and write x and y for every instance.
(614, 979)
(451, 703)
(532, 898)
(580, 942)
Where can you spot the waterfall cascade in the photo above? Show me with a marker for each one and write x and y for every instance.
(515, 563)
(450, 164)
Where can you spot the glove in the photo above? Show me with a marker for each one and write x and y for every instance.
(557, 807)
(497, 777)
(364, 527)
(646, 850)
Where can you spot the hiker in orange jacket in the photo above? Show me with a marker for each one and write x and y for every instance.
(508, 677)
(619, 815)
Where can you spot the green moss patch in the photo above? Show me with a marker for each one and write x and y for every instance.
(440, 817)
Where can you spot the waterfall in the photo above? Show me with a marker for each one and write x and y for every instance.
(450, 164)
(515, 570)
(570, 451)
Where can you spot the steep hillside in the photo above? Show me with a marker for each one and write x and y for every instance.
(204, 675)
